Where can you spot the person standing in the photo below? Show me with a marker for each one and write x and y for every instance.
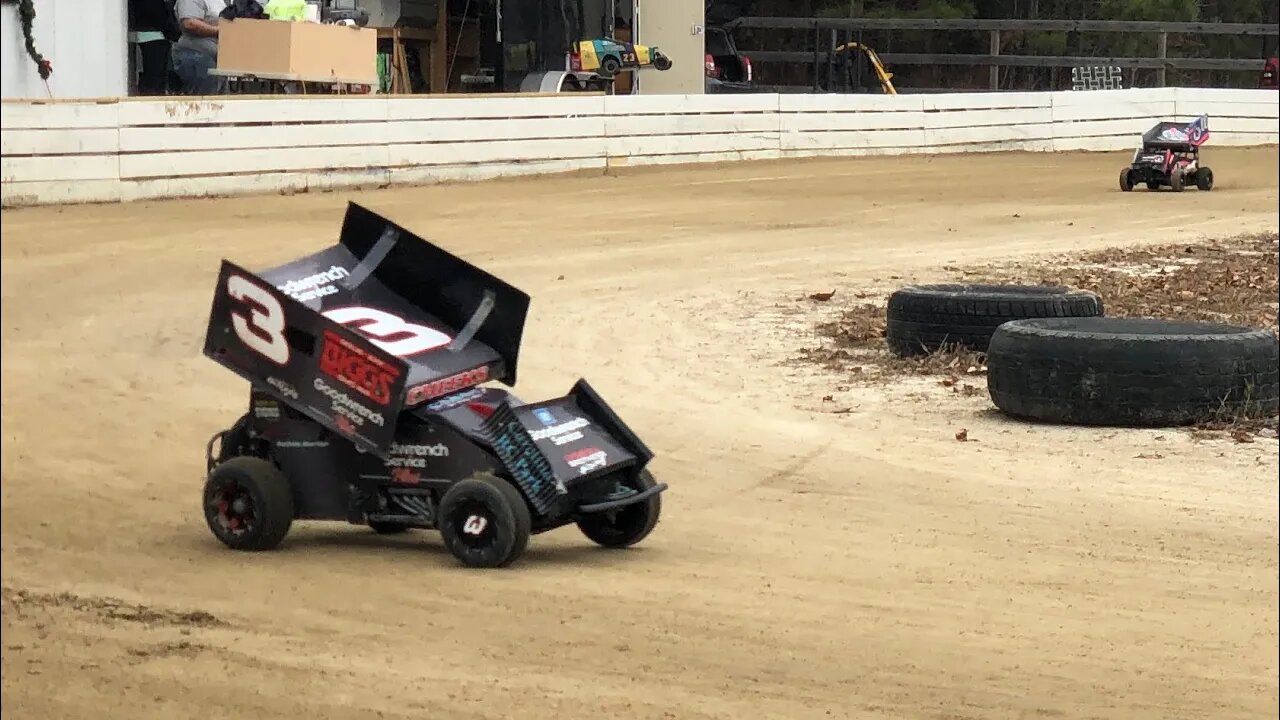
(196, 52)
(153, 28)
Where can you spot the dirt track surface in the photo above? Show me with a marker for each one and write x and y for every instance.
(808, 565)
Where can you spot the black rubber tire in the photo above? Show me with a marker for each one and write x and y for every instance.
(921, 319)
(1177, 181)
(388, 528)
(662, 63)
(1204, 179)
(627, 525)
(1132, 371)
(260, 486)
(609, 66)
(506, 527)
(1126, 180)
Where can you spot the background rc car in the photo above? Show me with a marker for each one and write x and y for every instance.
(1170, 157)
(366, 361)
(609, 57)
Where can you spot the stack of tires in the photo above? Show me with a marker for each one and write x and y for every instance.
(1052, 356)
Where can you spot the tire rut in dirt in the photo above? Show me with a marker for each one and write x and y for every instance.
(924, 318)
(1133, 371)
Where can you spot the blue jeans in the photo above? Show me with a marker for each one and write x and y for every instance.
(193, 67)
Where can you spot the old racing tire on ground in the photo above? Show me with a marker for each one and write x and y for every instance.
(924, 318)
(1132, 371)
(1126, 180)
(626, 525)
(1204, 179)
(1177, 181)
(248, 504)
(484, 522)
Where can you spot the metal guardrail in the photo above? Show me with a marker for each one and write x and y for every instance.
(1141, 26)
(819, 27)
(766, 56)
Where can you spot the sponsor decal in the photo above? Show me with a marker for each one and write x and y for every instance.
(314, 286)
(266, 410)
(405, 476)
(587, 459)
(562, 434)
(284, 388)
(456, 399)
(545, 416)
(415, 456)
(444, 386)
(346, 407)
(357, 369)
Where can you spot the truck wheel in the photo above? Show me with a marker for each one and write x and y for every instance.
(1126, 180)
(1204, 179)
(1177, 181)
(627, 525)
(248, 504)
(1132, 371)
(921, 319)
(609, 66)
(484, 522)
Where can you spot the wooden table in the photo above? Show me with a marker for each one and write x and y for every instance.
(275, 83)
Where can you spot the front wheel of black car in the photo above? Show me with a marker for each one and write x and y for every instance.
(1177, 181)
(628, 524)
(248, 504)
(484, 522)
(1204, 179)
(1126, 180)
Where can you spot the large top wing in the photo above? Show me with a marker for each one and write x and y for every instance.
(381, 301)
(1178, 136)
(454, 324)
(324, 369)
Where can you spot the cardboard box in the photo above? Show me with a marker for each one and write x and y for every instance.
(299, 50)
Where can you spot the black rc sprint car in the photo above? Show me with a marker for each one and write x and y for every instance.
(1170, 157)
(367, 362)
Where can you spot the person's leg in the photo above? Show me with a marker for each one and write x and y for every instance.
(153, 80)
(193, 67)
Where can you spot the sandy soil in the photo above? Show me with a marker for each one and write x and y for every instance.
(809, 564)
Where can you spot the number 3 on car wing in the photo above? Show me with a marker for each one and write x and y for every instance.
(261, 328)
(381, 326)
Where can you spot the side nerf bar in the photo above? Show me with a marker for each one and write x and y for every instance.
(623, 502)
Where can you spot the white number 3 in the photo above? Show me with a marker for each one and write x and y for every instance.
(380, 326)
(263, 329)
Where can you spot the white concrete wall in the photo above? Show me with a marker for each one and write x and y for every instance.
(84, 39)
(136, 149)
(669, 24)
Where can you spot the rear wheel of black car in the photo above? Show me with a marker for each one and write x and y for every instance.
(1126, 180)
(484, 522)
(628, 524)
(1204, 179)
(248, 504)
(1177, 181)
